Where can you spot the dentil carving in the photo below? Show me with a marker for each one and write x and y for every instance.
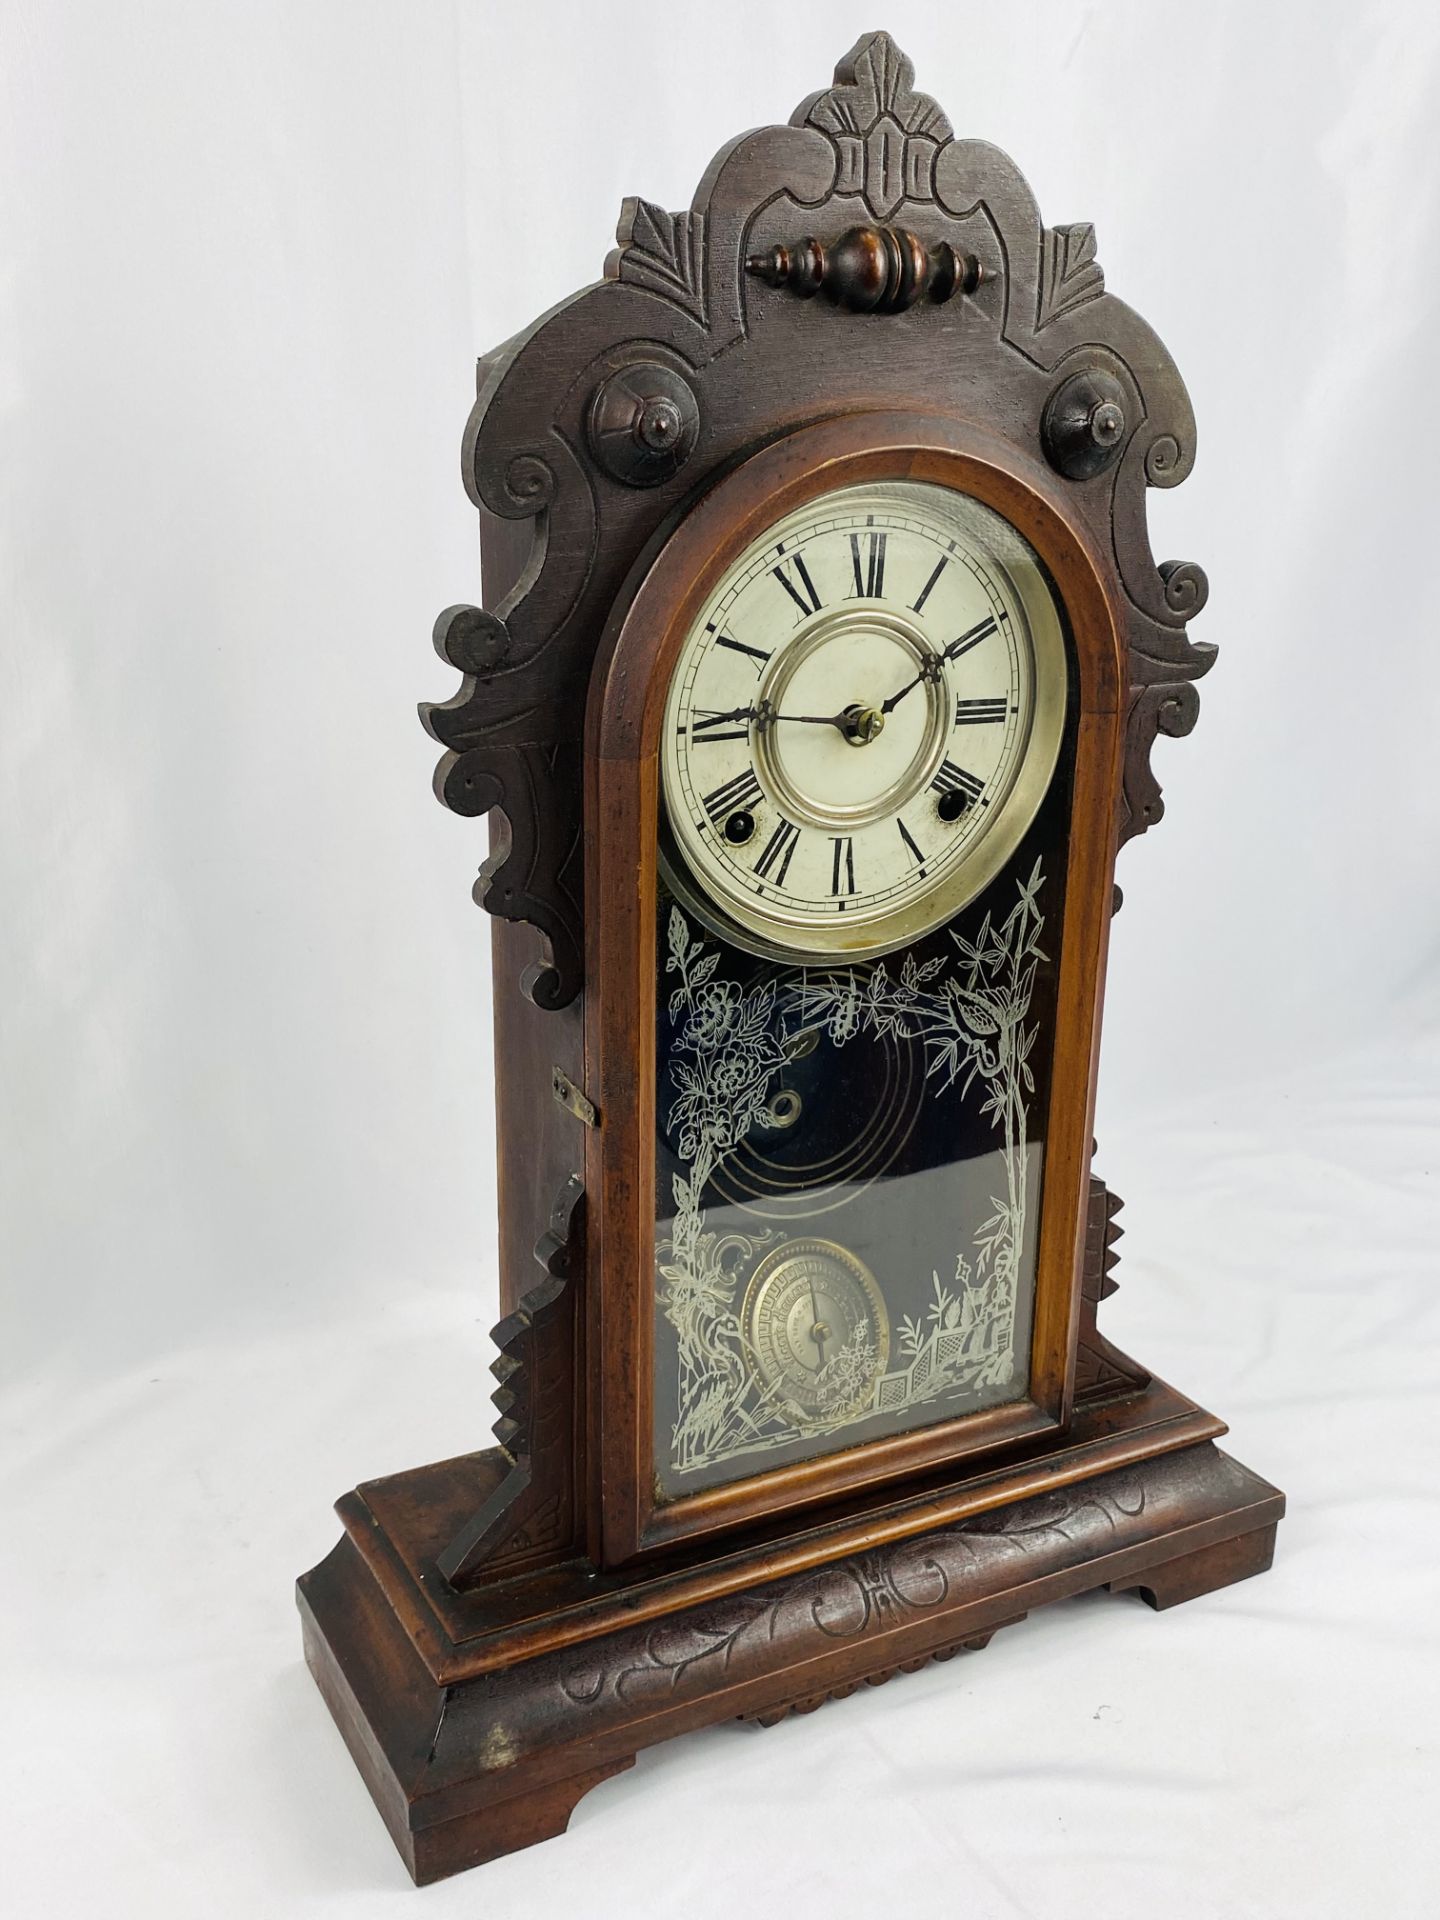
(531, 1513)
(1100, 1369)
(809, 1702)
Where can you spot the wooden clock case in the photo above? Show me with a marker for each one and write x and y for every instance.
(855, 295)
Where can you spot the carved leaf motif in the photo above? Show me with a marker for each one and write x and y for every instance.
(875, 78)
(887, 134)
(1069, 271)
(663, 252)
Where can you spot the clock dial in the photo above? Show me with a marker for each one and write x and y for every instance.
(862, 721)
(816, 1329)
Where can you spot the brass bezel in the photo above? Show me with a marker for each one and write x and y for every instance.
(764, 1277)
(761, 928)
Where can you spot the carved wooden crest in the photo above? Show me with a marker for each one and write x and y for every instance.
(596, 425)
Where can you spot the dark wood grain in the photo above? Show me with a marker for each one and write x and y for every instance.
(869, 269)
(499, 1633)
(1030, 312)
(402, 1524)
(466, 1768)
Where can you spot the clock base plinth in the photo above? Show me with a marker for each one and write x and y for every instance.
(1186, 1576)
(480, 1719)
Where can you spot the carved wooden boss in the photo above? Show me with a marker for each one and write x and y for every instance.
(821, 664)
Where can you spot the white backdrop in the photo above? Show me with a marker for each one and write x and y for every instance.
(248, 253)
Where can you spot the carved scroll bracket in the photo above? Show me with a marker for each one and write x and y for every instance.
(1158, 706)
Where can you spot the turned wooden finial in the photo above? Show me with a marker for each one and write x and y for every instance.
(870, 269)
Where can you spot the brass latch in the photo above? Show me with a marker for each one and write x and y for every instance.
(571, 1098)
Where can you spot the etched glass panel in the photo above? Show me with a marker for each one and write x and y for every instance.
(848, 1180)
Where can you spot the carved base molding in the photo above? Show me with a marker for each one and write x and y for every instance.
(808, 1702)
(468, 1759)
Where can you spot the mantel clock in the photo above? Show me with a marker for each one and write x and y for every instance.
(821, 660)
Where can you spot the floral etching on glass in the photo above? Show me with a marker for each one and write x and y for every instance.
(969, 1011)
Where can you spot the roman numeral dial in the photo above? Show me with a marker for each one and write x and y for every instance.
(743, 792)
(794, 577)
(854, 730)
(918, 606)
(952, 781)
(778, 852)
(744, 648)
(962, 644)
(868, 561)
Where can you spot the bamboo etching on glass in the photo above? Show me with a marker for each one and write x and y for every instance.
(970, 1012)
